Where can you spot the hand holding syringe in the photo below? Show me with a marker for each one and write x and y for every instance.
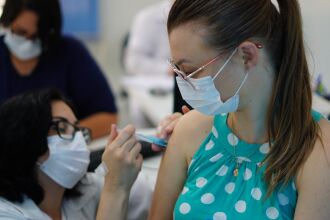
(103, 168)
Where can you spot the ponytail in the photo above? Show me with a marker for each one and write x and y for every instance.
(292, 130)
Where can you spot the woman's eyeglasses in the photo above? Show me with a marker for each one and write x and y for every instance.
(67, 130)
(187, 77)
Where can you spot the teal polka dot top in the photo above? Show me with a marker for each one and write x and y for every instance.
(221, 187)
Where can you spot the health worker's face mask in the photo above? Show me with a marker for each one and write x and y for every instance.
(21, 47)
(68, 160)
(202, 95)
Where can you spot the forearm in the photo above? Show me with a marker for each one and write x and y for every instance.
(99, 123)
(113, 205)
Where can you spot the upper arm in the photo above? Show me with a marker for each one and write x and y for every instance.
(170, 180)
(174, 165)
(313, 180)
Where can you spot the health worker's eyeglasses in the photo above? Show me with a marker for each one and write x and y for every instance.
(67, 130)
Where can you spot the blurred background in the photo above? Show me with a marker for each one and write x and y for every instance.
(103, 24)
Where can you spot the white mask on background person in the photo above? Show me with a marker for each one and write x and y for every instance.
(24, 49)
(205, 97)
(68, 160)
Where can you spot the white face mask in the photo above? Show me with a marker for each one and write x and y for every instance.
(68, 160)
(205, 97)
(21, 47)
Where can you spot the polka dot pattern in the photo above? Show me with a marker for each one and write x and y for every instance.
(222, 171)
(264, 149)
(247, 174)
(240, 206)
(215, 132)
(272, 213)
(191, 163)
(207, 198)
(201, 182)
(209, 145)
(216, 157)
(293, 186)
(283, 199)
(211, 190)
(230, 187)
(184, 190)
(219, 216)
(242, 159)
(256, 193)
(232, 139)
(184, 208)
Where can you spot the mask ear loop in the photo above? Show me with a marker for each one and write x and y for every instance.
(259, 46)
(239, 88)
(225, 64)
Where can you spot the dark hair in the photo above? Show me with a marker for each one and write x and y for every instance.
(231, 22)
(49, 14)
(24, 126)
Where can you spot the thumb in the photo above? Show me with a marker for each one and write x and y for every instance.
(185, 109)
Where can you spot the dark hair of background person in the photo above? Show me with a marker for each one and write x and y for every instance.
(24, 126)
(49, 14)
(292, 132)
(178, 100)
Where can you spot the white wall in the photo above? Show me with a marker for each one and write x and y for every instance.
(316, 18)
(116, 19)
(117, 15)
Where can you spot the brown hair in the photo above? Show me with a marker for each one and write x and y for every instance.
(292, 132)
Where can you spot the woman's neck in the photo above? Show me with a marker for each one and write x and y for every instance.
(24, 68)
(53, 197)
(249, 123)
(249, 126)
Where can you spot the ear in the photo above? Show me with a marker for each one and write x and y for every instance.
(249, 53)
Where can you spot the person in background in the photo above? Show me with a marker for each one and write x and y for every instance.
(253, 148)
(34, 54)
(148, 49)
(147, 52)
(43, 163)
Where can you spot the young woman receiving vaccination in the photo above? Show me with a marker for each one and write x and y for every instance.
(253, 148)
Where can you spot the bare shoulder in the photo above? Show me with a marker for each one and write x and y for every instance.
(187, 136)
(319, 159)
(321, 151)
(190, 132)
(325, 137)
(313, 179)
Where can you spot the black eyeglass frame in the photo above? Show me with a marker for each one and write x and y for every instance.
(87, 133)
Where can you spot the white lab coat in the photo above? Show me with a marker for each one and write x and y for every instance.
(83, 207)
(148, 47)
